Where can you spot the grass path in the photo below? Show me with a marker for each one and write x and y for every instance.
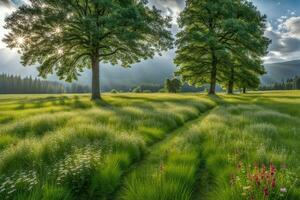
(161, 158)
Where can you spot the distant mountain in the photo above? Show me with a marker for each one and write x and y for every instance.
(276, 72)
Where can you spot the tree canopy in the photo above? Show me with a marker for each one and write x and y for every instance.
(173, 85)
(215, 36)
(67, 36)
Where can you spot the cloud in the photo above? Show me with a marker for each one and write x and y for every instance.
(6, 9)
(169, 7)
(291, 27)
(285, 39)
(5, 3)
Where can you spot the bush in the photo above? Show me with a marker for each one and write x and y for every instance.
(137, 90)
(162, 90)
(114, 91)
(173, 85)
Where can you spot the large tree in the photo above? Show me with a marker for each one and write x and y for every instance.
(67, 36)
(214, 31)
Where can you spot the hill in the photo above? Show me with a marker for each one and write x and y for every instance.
(277, 72)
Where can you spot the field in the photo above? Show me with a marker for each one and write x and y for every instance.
(150, 147)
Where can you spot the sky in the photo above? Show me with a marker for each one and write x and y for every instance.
(283, 27)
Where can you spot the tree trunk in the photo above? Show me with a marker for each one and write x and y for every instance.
(213, 75)
(95, 79)
(244, 90)
(231, 82)
(230, 87)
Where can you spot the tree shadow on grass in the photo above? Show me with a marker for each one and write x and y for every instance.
(102, 103)
(140, 100)
(40, 102)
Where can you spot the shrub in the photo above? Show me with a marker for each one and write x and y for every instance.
(173, 86)
(114, 91)
(137, 90)
(162, 90)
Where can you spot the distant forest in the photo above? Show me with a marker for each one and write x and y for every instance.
(10, 84)
(288, 84)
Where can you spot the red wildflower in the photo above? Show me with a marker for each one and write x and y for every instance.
(257, 180)
(273, 183)
(266, 192)
(272, 169)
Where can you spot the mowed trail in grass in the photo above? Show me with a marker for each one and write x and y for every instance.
(170, 169)
(199, 161)
(146, 146)
(66, 147)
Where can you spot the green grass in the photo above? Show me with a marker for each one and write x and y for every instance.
(144, 146)
(50, 136)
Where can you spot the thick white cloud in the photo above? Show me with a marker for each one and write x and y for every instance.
(291, 27)
(285, 39)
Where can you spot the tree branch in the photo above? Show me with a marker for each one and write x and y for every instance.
(113, 52)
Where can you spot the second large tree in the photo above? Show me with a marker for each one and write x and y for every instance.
(212, 33)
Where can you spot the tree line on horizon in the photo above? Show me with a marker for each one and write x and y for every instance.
(220, 42)
(10, 84)
(288, 84)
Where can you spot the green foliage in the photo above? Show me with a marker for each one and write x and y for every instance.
(216, 34)
(173, 85)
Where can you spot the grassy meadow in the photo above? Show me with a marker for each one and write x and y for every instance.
(150, 147)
